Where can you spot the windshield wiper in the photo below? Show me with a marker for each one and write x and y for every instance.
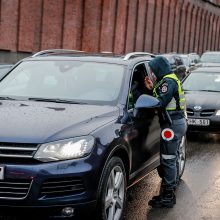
(56, 100)
(7, 98)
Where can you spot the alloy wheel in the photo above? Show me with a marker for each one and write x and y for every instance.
(182, 155)
(115, 193)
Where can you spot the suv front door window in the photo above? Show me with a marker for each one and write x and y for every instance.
(144, 128)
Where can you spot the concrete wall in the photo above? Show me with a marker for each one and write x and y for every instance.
(120, 26)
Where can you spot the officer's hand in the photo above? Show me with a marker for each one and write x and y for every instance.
(148, 83)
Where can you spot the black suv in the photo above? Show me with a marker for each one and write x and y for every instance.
(191, 61)
(71, 140)
(177, 64)
(210, 58)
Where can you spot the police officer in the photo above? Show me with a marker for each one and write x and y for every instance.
(168, 90)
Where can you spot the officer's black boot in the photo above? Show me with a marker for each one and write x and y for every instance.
(166, 199)
(162, 186)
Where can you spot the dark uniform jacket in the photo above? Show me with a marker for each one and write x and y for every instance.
(168, 88)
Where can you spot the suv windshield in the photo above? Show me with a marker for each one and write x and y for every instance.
(87, 82)
(202, 81)
(210, 58)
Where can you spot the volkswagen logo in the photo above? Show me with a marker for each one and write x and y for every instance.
(197, 107)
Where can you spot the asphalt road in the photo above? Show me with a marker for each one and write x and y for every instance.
(198, 194)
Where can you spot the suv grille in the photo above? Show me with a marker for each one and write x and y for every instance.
(17, 150)
(206, 113)
(203, 113)
(14, 188)
(190, 112)
(62, 187)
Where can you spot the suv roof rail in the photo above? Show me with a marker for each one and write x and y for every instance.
(43, 52)
(135, 54)
(172, 52)
(106, 52)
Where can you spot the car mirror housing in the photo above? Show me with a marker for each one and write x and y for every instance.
(147, 101)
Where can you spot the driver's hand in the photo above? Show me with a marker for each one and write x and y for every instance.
(148, 83)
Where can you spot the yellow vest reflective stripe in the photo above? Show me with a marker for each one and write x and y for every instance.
(172, 105)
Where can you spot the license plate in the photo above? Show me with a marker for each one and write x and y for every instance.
(198, 122)
(2, 172)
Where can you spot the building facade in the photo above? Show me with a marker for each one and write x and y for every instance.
(119, 26)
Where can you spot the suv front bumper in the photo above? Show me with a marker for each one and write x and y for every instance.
(49, 187)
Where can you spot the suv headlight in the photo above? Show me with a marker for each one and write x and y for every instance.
(217, 113)
(65, 149)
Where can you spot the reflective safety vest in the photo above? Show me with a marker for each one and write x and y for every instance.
(130, 100)
(174, 104)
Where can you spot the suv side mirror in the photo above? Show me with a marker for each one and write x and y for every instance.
(146, 101)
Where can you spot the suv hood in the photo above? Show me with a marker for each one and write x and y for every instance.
(40, 122)
(207, 100)
(211, 64)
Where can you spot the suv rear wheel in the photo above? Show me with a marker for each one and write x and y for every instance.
(182, 157)
(112, 191)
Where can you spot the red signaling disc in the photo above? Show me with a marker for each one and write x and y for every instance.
(167, 134)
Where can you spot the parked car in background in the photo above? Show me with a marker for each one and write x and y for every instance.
(72, 142)
(177, 64)
(191, 61)
(202, 90)
(211, 58)
(4, 68)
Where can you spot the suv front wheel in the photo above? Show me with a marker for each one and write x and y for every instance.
(112, 191)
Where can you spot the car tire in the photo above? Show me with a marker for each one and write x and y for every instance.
(181, 158)
(112, 191)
